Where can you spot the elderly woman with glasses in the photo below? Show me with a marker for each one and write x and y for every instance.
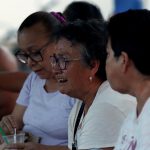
(41, 110)
(79, 67)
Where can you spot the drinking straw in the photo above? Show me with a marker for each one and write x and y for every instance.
(4, 136)
(15, 139)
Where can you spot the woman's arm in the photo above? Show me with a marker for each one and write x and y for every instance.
(12, 81)
(14, 120)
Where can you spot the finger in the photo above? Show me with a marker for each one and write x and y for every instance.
(12, 121)
(7, 124)
(1, 139)
(3, 126)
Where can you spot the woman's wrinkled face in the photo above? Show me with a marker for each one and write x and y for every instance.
(73, 73)
(32, 41)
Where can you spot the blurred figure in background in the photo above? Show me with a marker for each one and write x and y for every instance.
(7, 99)
(124, 5)
(7, 60)
(12, 81)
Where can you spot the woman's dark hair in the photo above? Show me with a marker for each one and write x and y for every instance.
(92, 37)
(129, 32)
(49, 21)
(82, 10)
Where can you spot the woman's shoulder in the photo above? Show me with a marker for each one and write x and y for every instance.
(33, 76)
(107, 94)
(113, 99)
(34, 79)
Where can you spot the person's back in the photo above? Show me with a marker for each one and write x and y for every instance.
(7, 98)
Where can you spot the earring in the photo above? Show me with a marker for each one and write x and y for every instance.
(90, 78)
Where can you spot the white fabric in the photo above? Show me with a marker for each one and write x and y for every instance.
(135, 132)
(47, 114)
(101, 125)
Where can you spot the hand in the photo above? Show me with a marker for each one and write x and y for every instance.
(25, 146)
(8, 124)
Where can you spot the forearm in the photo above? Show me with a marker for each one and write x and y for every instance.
(18, 114)
(14, 120)
(12, 81)
(44, 147)
(35, 146)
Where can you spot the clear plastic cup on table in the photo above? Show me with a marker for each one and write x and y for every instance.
(18, 138)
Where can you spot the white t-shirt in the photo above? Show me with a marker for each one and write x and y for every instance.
(101, 125)
(47, 114)
(135, 132)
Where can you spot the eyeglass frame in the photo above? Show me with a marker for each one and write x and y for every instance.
(30, 55)
(65, 61)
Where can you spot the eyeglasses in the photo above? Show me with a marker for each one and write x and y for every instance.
(61, 61)
(37, 56)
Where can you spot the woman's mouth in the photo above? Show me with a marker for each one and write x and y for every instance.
(61, 80)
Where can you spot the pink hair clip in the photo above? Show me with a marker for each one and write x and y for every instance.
(58, 16)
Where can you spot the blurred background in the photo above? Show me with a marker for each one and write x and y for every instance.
(13, 12)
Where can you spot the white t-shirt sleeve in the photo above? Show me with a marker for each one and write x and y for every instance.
(23, 98)
(101, 128)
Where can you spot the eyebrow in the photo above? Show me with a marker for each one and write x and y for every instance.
(30, 50)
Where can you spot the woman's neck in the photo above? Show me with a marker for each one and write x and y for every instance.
(51, 85)
(90, 95)
(142, 93)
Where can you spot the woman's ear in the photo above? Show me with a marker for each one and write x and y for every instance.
(94, 67)
(124, 61)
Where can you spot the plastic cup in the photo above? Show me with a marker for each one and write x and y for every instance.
(10, 139)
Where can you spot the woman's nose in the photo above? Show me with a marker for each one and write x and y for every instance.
(31, 62)
(56, 68)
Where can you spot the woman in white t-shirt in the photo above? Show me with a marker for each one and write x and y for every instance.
(128, 71)
(79, 66)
